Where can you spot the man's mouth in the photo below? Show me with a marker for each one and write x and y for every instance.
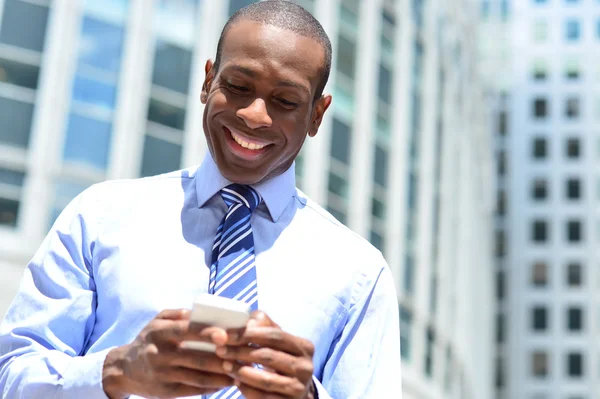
(249, 149)
(246, 144)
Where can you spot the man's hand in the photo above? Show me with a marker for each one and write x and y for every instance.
(155, 365)
(287, 361)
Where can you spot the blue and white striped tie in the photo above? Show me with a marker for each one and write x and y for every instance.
(232, 272)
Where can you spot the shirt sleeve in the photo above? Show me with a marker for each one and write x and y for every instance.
(364, 361)
(46, 330)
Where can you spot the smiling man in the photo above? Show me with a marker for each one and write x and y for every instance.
(102, 309)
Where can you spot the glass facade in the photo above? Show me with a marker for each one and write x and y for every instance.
(22, 41)
(173, 50)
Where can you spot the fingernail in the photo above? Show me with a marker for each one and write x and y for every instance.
(227, 366)
(221, 351)
(251, 323)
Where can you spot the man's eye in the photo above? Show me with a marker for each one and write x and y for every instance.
(286, 103)
(237, 88)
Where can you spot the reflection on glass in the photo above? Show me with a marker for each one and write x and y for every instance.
(24, 25)
(87, 141)
(172, 67)
(160, 157)
(93, 92)
(101, 44)
(114, 10)
(19, 74)
(166, 114)
(15, 122)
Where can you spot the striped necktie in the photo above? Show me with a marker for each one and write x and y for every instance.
(232, 272)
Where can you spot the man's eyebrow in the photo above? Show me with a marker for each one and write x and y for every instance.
(289, 83)
(285, 83)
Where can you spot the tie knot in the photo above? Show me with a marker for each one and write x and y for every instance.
(241, 194)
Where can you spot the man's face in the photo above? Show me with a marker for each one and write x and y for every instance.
(259, 104)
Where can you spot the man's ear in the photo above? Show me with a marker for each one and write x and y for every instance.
(319, 108)
(208, 78)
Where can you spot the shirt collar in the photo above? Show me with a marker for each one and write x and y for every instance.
(275, 192)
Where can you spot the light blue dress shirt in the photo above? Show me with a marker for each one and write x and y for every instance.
(123, 251)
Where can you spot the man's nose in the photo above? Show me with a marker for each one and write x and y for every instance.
(255, 114)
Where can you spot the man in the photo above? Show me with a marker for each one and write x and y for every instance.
(89, 320)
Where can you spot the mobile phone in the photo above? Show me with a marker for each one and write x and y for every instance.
(212, 310)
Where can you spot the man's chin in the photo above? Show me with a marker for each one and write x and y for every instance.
(241, 174)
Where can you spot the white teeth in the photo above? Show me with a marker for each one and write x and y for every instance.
(245, 144)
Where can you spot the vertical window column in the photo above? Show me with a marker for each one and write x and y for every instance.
(22, 40)
(174, 28)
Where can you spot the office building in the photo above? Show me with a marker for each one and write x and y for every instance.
(548, 147)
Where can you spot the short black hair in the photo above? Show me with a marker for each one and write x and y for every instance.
(285, 15)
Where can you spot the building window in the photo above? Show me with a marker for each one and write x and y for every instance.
(500, 328)
(574, 274)
(381, 166)
(573, 189)
(346, 56)
(540, 31)
(574, 231)
(405, 332)
(572, 30)
(539, 364)
(338, 185)
(377, 240)
(539, 318)
(159, 156)
(11, 185)
(574, 319)
(500, 243)
(573, 149)
(501, 203)
(378, 208)
(24, 25)
(429, 354)
(502, 123)
(539, 231)
(575, 364)
(539, 148)
(539, 189)
(572, 108)
(540, 70)
(340, 141)
(501, 163)
(572, 69)
(540, 108)
(499, 372)
(539, 274)
(500, 285)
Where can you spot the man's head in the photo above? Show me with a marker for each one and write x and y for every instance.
(263, 94)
